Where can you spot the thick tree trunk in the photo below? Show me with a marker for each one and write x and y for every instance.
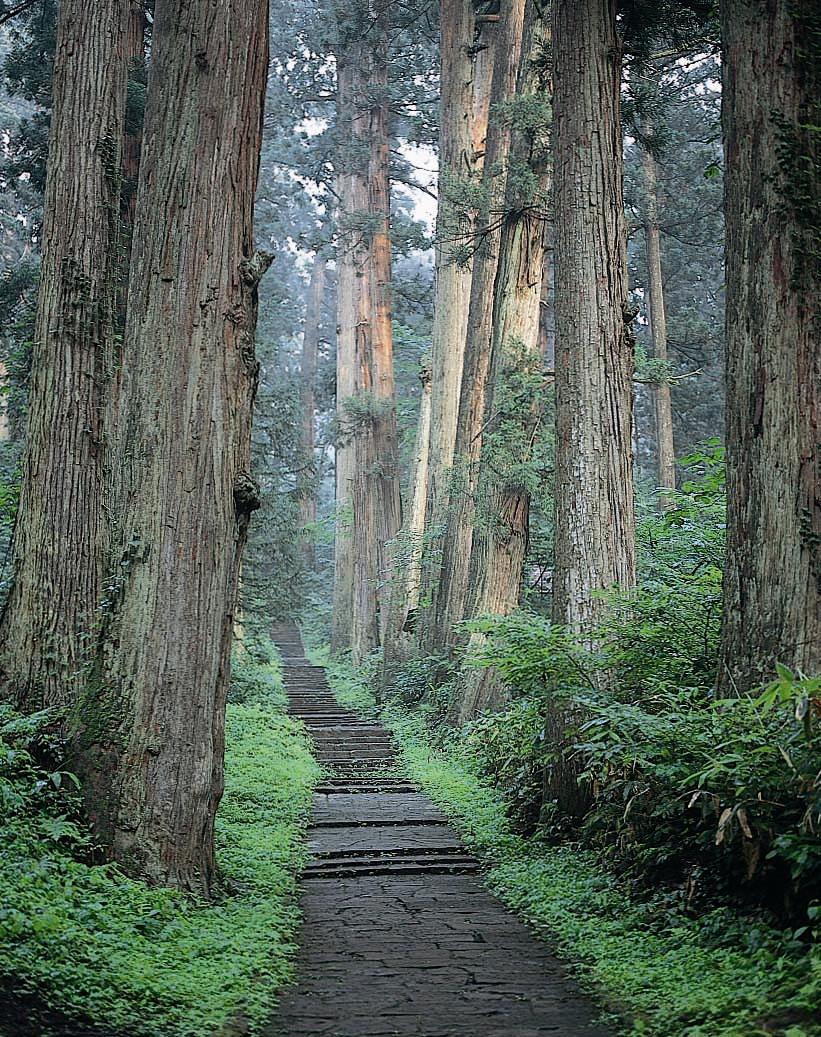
(595, 521)
(150, 729)
(662, 398)
(451, 589)
(514, 404)
(458, 157)
(377, 509)
(62, 524)
(772, 583)
(310, 346)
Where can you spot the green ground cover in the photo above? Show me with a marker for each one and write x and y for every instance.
(101, 948)
(671, 974)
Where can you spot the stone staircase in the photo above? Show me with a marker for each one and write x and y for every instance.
(400, 938)
(368, 818)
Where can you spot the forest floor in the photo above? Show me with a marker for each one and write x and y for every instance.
(400, 936)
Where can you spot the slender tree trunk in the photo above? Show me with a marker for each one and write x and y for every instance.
(310, 346)
(595, 521)
(5, 431)
(547, 319)
(352, 195)
(62, 525)
(451, 590)
(772, 583)
(514, 402)
(662, 398)
(149, 732)
(406, 556)
(376, 503)
(418, 504)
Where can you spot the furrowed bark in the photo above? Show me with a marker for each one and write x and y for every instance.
(62, 524)
(595, 520)
(501, 532)
(468, 53)
(149, 731)
(772, 581)
(407, 551)
(450, 591)
(353, 294)
(376, 503)
(349, 191)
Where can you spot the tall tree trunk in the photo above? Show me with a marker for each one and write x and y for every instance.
(376, 503)
(468, 52)
(458, 156)
(149, 732)
(5, 430)
(310, 346)
(662, 398)
(352, 196)
(450, 592)
(772, 583)
(513, 406)
(62, 526)
(595, 520)
(347, 280)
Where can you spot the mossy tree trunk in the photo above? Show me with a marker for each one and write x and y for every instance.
(516, 388)
(369, 416)
(62, 526)
(772, 583)
(149, 731)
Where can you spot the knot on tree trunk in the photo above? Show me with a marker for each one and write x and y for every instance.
(252, 268)
(246, 494)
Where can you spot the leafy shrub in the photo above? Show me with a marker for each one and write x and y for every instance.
(714, 796)
(102, 948)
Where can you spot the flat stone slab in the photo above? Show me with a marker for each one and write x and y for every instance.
(374, 807)
(382, 837)
(433, 956)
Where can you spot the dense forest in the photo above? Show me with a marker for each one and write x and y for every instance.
(410, 518)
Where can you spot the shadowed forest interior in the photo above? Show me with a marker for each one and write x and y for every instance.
(410, 518)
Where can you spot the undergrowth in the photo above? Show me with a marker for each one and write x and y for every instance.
(98, 947)
(721, 974)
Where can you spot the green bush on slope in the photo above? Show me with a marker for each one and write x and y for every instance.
(99, 947)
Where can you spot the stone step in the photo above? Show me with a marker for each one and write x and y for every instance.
(364, 786)
(350, 864)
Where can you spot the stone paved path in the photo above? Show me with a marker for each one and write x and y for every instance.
(400, 936)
